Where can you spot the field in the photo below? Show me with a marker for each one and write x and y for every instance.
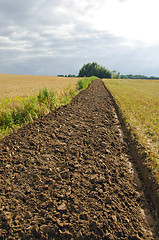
(13, 85)
(69, 175)
(139, 103)
(23, 98)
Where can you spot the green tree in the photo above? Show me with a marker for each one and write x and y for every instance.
(94, 69)
(118, 75)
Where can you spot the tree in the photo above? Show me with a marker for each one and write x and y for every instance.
(94, 69)
(118, 75)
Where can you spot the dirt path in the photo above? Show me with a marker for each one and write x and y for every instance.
(68, 176)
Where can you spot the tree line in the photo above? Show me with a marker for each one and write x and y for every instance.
(69, 75)
(94, 69)
(131, 76)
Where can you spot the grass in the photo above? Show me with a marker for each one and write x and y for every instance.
(17, 111)
(84, 82)
(139, 103)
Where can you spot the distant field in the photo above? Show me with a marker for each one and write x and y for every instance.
(139, 102)
(12, 85)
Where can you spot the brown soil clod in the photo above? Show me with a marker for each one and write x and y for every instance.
(74, 179)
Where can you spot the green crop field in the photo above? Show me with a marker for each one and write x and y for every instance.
(139, 103)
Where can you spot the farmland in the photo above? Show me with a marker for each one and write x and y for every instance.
(139, 103)
(23, 98)
(68, 175)
(12, 85)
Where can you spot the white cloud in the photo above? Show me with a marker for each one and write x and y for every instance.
(132, 19)
(53, 37)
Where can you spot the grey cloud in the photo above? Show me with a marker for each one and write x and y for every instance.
(31, 11)
(50, 37)
(69, 60)
(15, 12)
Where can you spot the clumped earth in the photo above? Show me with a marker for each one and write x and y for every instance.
(67, 176)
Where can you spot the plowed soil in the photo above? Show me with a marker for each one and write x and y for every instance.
(68, 175)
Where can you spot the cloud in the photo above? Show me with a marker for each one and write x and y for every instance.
(57, 37)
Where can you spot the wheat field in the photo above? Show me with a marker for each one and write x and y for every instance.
(139, 103)
(12, 85)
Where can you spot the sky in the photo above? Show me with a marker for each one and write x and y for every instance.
(51, 37)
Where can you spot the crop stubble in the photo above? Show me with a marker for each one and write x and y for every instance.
(67, 176)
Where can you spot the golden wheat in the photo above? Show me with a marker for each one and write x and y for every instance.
(12, 85)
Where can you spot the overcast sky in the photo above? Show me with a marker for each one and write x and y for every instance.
(50, 37)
